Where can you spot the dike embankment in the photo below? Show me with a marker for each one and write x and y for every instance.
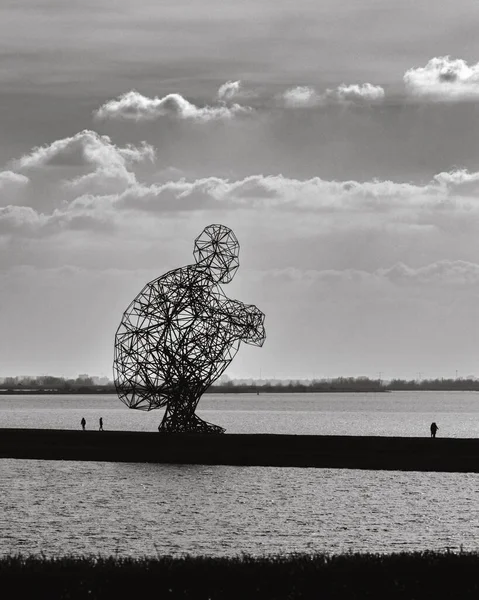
(342, 452)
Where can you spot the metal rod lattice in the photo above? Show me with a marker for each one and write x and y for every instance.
(181, 332)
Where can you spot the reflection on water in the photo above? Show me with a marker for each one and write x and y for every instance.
(131, 509)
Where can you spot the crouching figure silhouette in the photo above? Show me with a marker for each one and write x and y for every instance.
(181, 332)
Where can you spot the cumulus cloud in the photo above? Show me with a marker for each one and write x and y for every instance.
(305, 96)
(362, 93)
(301, 96)
(86, 148)
(106, 165)
(461, 180)
(9, 178)
(444, 78)
(134, 106)
(228, 90)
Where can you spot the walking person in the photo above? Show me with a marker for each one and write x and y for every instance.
(83, 423)
(434, 429)
(101, 424)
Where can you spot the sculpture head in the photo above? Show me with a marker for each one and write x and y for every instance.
(217, 249)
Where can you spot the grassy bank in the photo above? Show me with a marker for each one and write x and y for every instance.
(414, 575)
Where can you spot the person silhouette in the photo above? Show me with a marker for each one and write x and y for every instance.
(434, 429)
(101, 424)
(83, 423)
(181, 332)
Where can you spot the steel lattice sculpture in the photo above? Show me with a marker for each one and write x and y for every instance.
(181, 332)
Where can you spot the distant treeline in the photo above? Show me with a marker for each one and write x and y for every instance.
(348, 384)
(48, 384)
(340, 384)
(433, 384)
(84, 384)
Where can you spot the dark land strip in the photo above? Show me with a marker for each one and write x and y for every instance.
(403, 576)
(342, 452)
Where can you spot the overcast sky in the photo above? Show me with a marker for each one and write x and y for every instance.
(339, 140)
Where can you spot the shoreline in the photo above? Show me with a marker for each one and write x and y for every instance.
(211, 392)
(256, 390)
(459, 455)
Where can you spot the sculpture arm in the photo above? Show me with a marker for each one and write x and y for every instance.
(246, 321)
(255, 332)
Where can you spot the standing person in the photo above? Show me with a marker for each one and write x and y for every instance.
(83, 423)
(101, 424)
(434, 429)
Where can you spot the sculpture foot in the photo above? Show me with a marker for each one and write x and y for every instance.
(194, 425)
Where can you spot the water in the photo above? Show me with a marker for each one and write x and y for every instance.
(58, 507)
(391, 414)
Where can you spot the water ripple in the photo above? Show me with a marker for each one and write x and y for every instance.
(137, 509)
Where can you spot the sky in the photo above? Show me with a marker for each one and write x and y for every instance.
(339, 140)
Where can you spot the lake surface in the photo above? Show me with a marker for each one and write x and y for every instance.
(59, 507)
(389, 414)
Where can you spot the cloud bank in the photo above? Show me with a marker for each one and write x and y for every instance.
(381, 198)
(447, 273)
(90, 182)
